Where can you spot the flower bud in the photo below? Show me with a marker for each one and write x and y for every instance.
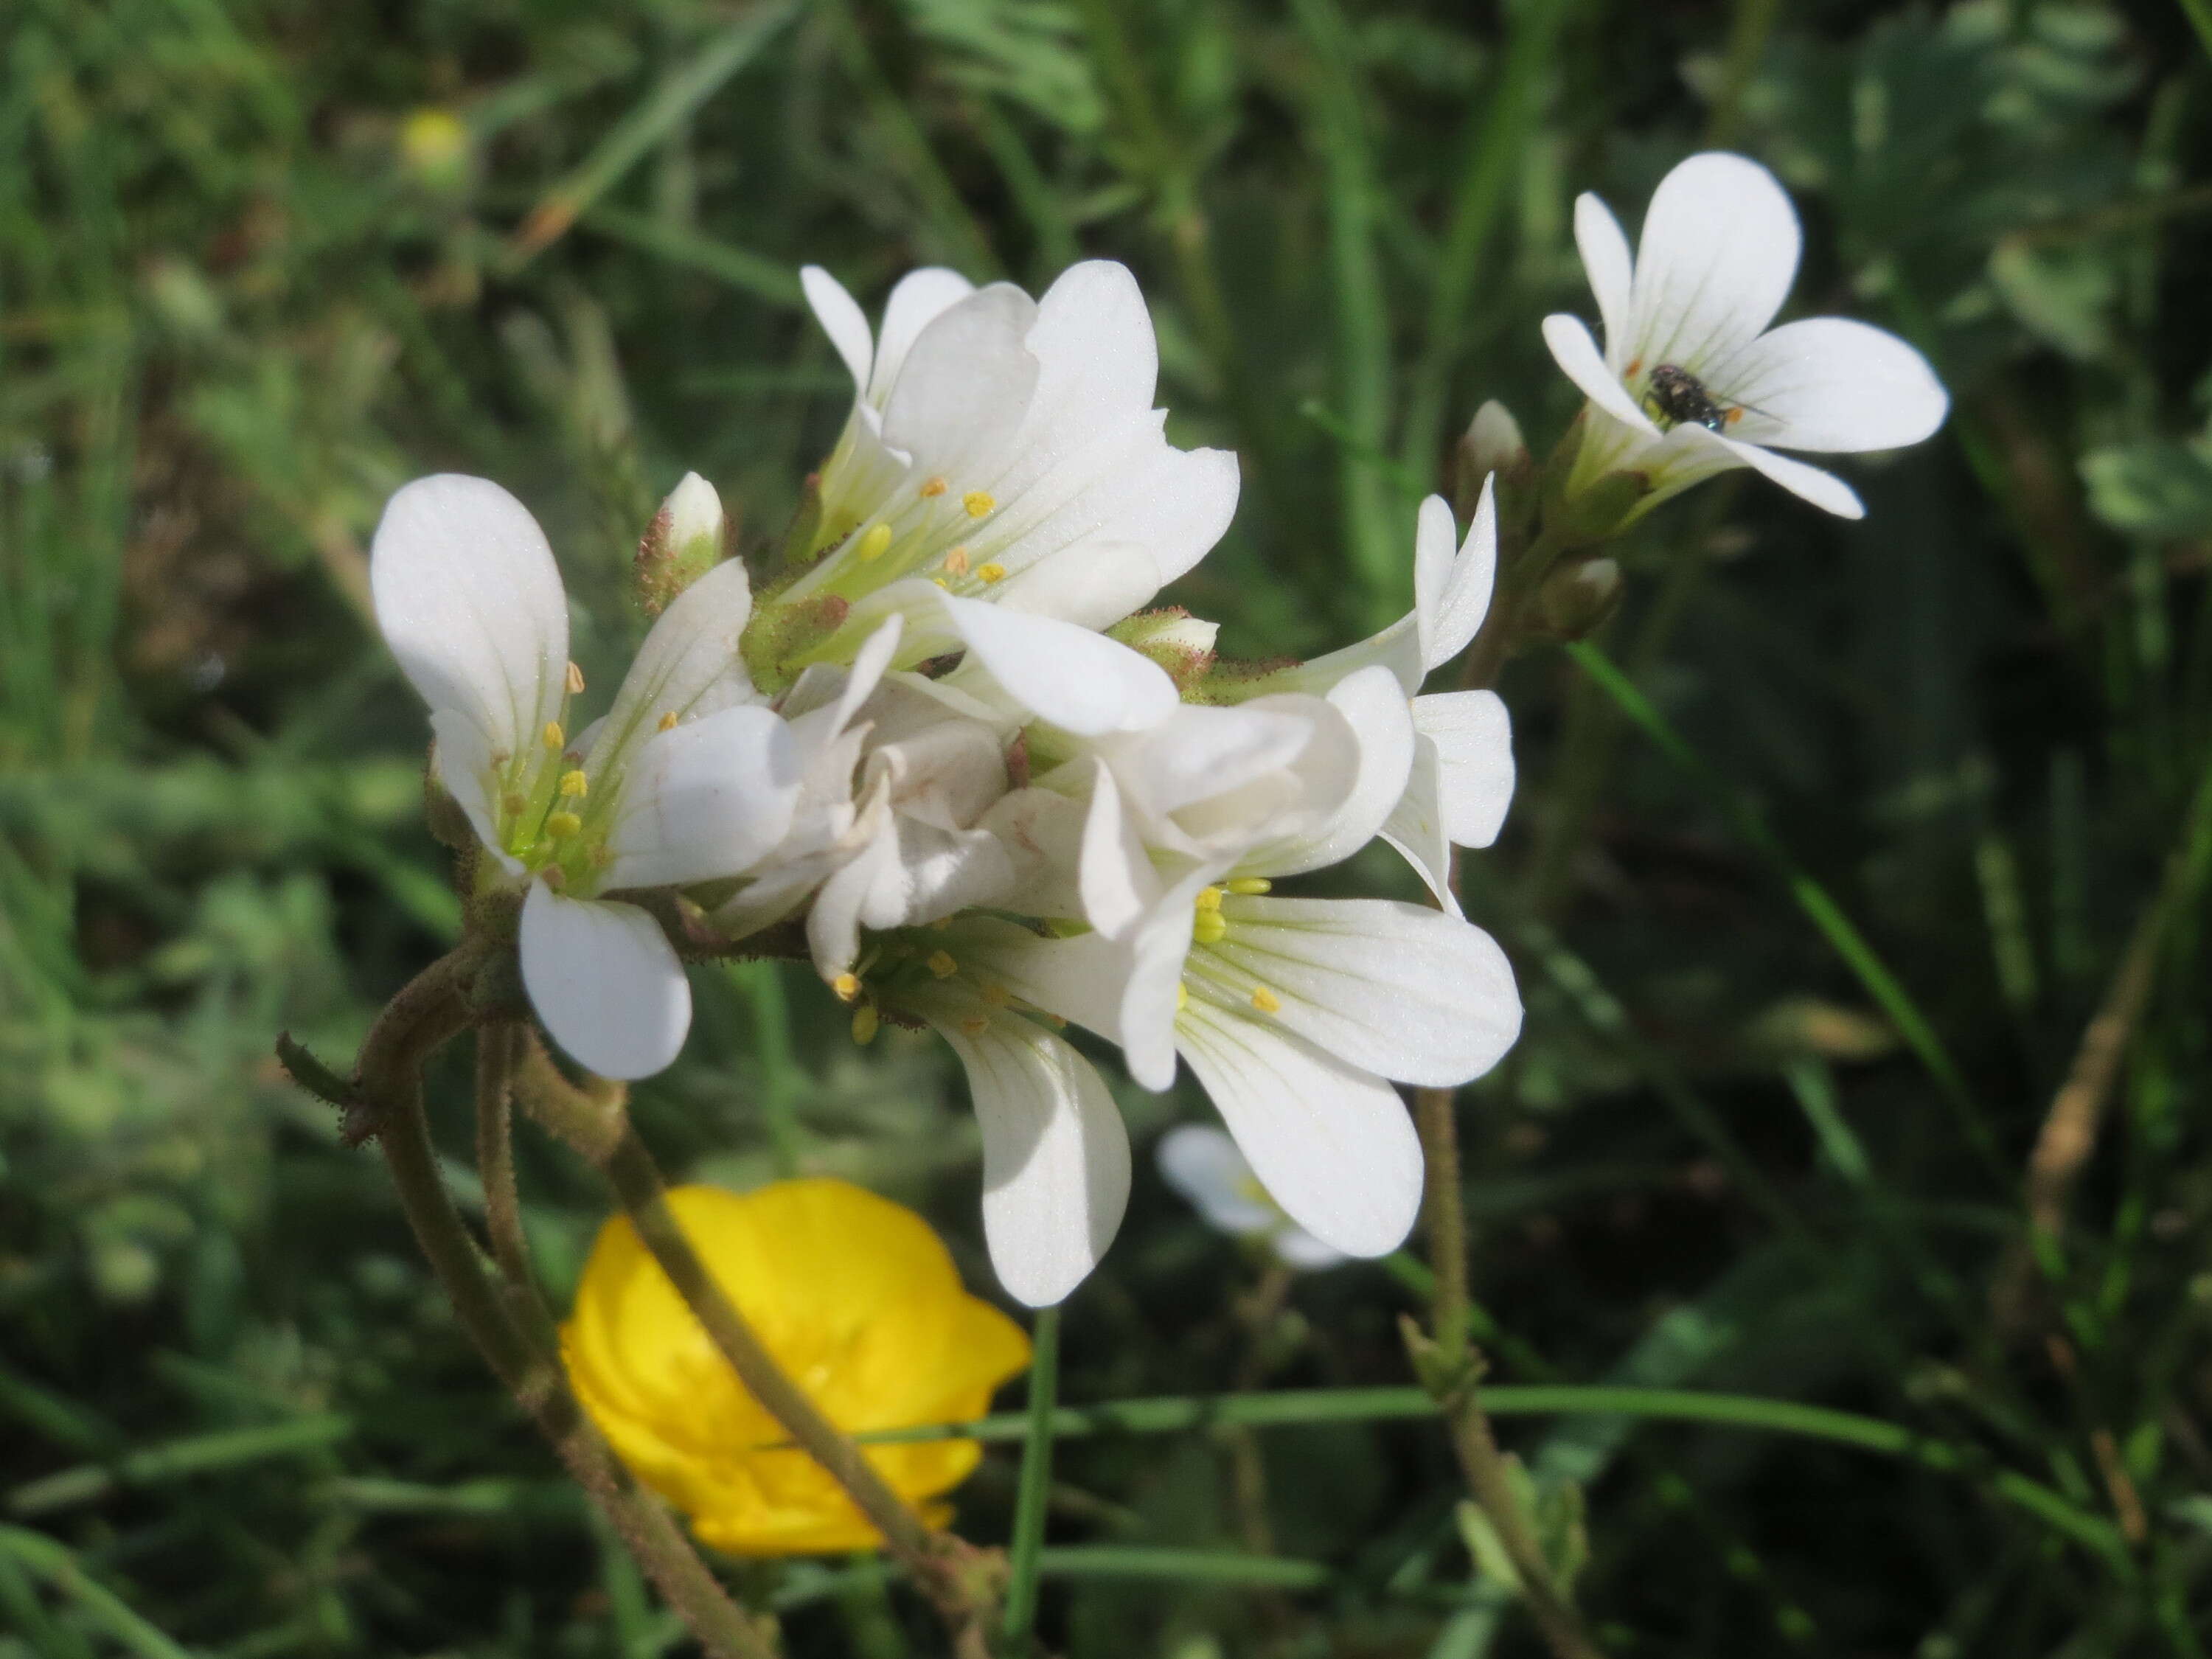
(1576, 598)
(1598, 509)
(684, 541)
(1180, 642)
(1492, 445)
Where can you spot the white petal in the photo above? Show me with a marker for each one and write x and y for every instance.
(1436, 539)
(1115, 876)
(919, 300)
(1202, 1163)
(965, 386)
(1579, 359)
(689, 666)
(1829, 383)
(1473, 737)
(1155, 958)
(1718, 253)
(1397, 989)
(1078, 680)
(1397, 648)
(470, 602)
(1416, 825)
(605, 981)
(1376, 710)
(1295, 1247)
(1464, 600)
(1055, 1155)
(1093, 585)
(704, 800)
(1079, 979)
(1041, 832)
(833, 926)
(1605, 261)
(1094, 339)
(465, 768)
(843, 320)
(1332, 1145)
(1824, 489)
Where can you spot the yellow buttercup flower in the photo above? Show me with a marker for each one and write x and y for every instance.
(861, 1305)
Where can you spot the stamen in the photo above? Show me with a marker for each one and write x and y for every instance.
(1183, 996)
(940, 581)
(1247, 886)
(956, 562)
(552, 737)
(865, 1020)
(511, 804)
(575, 680)
(875, 543)
(846, 987)
(554, 876)
(975, 1025)
(1266, 1000)
(997, 995)
(562, 825)
(992, 572)
(933, 486)
(978, 502)
(668, 721)
(1209, 927)
(575, 786)
(1209, 898)
(942, 964)
(602, 855)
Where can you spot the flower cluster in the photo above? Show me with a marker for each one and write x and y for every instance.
(947, 755)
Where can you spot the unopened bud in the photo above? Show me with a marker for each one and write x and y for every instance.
(1599, 509)
(1492, 445)
(1576, 598)
(684, 541)
(1180, 642)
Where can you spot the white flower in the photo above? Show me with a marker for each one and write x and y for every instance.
(1292, 1013)
(1461, 775)
(1003, 447)
(1204, 1165)
(1691, 381)
(687, 779)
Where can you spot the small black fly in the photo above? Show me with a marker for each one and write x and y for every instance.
(1682, 399)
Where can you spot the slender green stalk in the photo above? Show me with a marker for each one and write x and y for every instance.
(1498, 136)
(674, 100)
(55, 1564)
(1185, 1567)
(2199, 13)
(1176, 1414)
(1363, 326)
(495, 1048)
(1025, 1550)
(1820, 907)
(173, 1459)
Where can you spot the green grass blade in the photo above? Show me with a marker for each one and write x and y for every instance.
(1189, 1566)
(176, 1459)
(61, 1569)
(1024, 1552)
(1826, 914)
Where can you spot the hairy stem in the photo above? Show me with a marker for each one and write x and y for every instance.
(388, 1085)
(595, 1124)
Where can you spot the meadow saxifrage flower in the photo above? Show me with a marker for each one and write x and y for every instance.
(688, 778)
(1691, 381)
(1202, 1163)
(857, 1302)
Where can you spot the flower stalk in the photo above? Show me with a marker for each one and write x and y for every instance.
(384, 1100)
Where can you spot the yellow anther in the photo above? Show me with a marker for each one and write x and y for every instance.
(975, 1025)
(876, 542)
(1055, 1021)
(1209, 927)
(992, 572)
(942, 964)
(554, 876)
(865, 1022)
(1266, 1000)
(997, 995)
(940, 581)
(933, 487)
(1248, 885)
(668, 721)
(562, 825)
(576, 679)
(847, 985)
(511, 804)
(978, 502)
(575, 785)
(1209, 898)
(1183, 996)
(956, 562)
(553, 737)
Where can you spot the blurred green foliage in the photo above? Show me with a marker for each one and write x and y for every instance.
(263, 260)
